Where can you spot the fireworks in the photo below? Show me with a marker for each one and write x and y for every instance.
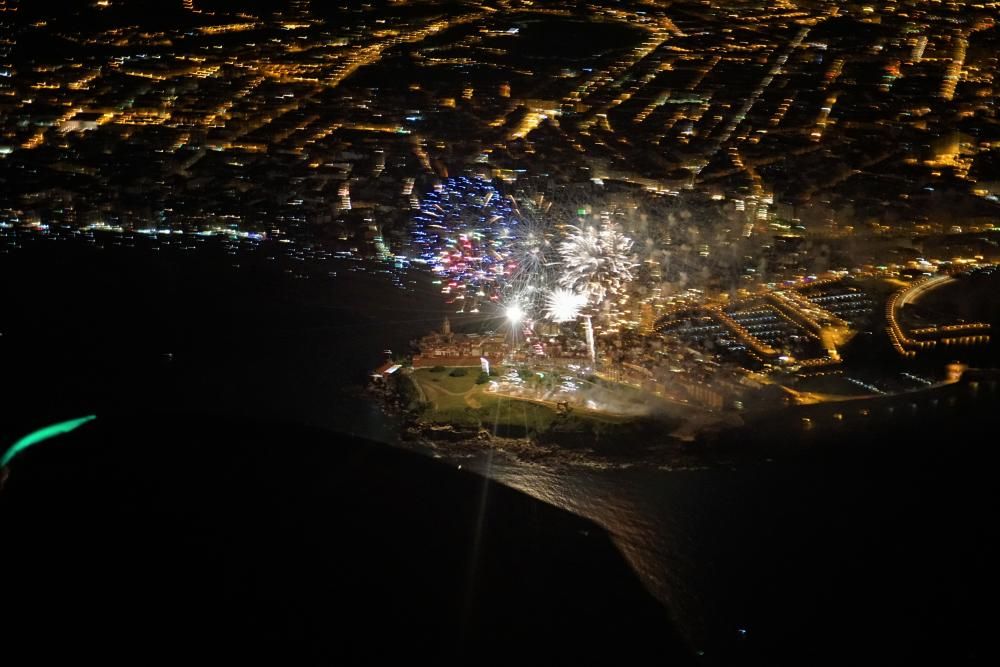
(596, 262)
(588, 329)
(563, 305)
(508, 256)
(463, 232)
(532, 248)
(532, 253)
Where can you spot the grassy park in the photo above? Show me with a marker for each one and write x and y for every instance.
(454, 397)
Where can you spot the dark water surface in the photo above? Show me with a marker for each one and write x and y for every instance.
(871, 560)
(880, 555)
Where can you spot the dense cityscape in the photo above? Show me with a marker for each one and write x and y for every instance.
(699, 201)
(718, 279)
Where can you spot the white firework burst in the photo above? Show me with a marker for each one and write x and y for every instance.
(564, 305)
(596, 261)
(532, 250)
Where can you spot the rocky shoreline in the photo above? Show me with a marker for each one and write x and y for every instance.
(451, 440)
(646, 442)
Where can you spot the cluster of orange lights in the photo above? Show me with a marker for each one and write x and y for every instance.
(907, 346)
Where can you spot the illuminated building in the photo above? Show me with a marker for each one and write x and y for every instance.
(300, 9)
(455, 349)
(8, 40)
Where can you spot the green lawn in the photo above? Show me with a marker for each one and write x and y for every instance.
(459, 401)
(447, 393)
(503, 411)
(446, 381)
(468, 404)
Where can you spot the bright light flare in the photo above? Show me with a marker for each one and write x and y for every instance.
(563, 305)
(514, 313)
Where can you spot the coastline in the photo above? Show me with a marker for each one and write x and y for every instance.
(838, 429)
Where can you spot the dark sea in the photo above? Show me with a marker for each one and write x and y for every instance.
(882, 553)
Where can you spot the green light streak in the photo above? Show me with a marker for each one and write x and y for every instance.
(43, 434)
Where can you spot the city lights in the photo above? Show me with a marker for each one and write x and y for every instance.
(623, 256)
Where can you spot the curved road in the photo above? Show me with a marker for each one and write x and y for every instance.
(916, 291)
